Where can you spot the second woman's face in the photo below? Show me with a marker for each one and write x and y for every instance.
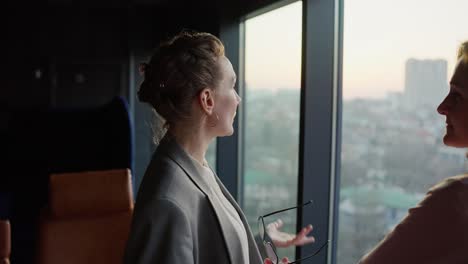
(226, 99)
(455, 108)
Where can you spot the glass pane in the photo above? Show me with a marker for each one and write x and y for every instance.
(211, 154)
(395, 72)
(271, 106)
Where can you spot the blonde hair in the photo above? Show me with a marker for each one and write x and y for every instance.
(178, 70)
(463, 52)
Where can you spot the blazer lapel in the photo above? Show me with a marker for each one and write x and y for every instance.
(254, 254)
(178, 155)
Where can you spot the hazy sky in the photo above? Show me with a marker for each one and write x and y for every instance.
(379, 36)
(273, 48)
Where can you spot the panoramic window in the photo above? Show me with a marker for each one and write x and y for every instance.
(396, 67)
(271, 104)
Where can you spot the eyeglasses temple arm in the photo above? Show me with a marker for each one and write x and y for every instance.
(290, 208)
(315, 253)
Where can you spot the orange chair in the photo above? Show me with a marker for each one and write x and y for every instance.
(88, 218)
(5, 246)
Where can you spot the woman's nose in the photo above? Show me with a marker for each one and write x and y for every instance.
(239, 99)
(443, 107)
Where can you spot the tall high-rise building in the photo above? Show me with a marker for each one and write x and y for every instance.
(425, 81)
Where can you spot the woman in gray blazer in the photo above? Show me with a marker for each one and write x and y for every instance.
(183, 213)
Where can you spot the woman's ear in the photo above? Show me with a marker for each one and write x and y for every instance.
(206, 100)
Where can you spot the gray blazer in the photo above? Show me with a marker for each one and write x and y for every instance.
(177, 221)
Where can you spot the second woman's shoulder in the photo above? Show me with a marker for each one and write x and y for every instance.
(452, 192)
(455, 182)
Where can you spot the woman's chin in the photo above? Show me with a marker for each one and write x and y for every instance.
(452, 141)
(447, 140)
(230, 132)
(227, 132)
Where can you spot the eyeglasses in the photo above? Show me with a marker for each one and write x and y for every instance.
(270, 248)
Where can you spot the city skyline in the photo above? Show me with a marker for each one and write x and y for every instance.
(273, 54)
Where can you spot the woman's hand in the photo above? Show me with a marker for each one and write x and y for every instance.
(282, 239)
(268, 261)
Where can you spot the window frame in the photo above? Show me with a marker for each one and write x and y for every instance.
(321, 104)
(321, 94)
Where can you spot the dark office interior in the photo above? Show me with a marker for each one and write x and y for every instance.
(66, 62)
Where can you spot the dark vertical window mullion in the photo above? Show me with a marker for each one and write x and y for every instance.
(317, 130)
(242, 110)
(228, 148)
(339, 11)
